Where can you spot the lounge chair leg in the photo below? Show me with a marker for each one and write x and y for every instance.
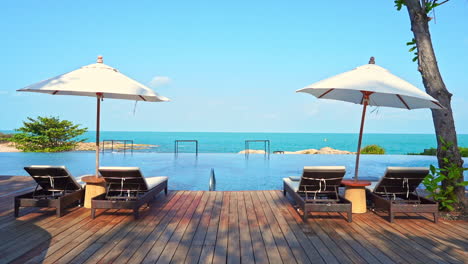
(284, 192)
(17, 206)
(391, 216)
(165, 191)
(93, 213)
(436, 217)
(350, 216)
(305, 216)
(59, 211)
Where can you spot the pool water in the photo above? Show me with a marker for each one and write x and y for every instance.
(233, 171)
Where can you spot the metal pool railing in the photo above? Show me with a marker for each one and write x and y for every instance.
(112, 141)
(176, 145)
(266, 146)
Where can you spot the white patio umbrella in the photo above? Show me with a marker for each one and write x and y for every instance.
(96, 80)
(371, 85)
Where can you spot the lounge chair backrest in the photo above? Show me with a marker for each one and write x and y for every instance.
(321, 178)
(127, 178)
(401, 180)
(53, 178)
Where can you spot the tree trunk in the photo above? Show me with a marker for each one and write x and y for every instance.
(444, 123)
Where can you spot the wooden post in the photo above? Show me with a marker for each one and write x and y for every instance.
(98, 123)
(365, 101)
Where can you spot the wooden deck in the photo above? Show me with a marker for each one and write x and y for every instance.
(220, 227)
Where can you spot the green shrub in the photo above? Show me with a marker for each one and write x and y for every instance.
(463, 151)
(450, 174)
(444, 196)
(47, 134)
(373, 149)
(433, 152)
(5, 137)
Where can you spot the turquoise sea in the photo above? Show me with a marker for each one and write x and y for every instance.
(224, 142)
(233, 171)
(218, 142)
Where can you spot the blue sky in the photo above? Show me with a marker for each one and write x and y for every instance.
(227, 66)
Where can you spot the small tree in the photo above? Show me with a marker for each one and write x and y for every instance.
(47, 134)
(444, 123)
(373, 149)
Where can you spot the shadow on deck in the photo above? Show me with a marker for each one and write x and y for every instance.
(221, 227)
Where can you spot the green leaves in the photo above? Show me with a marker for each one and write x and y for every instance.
(428, 5)
(399, 4)
(373, 149)
(413, 47)
(47, 134)
(450, 173)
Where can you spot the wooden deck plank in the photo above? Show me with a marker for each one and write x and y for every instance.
(220, 253)
(127, 246)
(405, 248)
(114, 237)
(173, 243)
(81, 242)
(247, 255)
(183, 217)
(233, 248)
(37, 236)
(156, 231)
(270, 245)
(425, 247)
(453, 239)
(209, 245)
(58, 241)
(281, 224)
(428, 247)
(195, 233)
(119, 234)
(315, 240)
(375, 245)
(281, 205)
(364, 250)
(221, 227)
(259, 250)
(315, 226)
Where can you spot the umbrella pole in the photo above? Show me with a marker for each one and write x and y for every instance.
(361, 130)
(98, 123)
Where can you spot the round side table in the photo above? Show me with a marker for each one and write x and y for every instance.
(94, 187)
(356, 193)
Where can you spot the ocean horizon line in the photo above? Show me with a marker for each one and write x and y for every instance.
(257, 132)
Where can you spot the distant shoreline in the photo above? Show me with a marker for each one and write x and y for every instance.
(223, 142)
(243, 132)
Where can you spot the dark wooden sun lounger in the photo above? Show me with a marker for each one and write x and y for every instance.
(126, 188)
(396, 192)
(55, 188)
(317, 190)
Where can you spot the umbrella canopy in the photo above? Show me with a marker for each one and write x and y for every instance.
(100, 81)
(371, 85)
(97, 78)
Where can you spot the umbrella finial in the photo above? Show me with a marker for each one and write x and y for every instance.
(99, 59)
(372, 60)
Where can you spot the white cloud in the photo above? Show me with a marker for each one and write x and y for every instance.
(160, 81)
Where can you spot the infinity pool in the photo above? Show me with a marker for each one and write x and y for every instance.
(233, 171)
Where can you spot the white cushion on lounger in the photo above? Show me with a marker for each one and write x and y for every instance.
(120, 168)
(325, 168)
(293, 184)
(154, 181)
(295, 178)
